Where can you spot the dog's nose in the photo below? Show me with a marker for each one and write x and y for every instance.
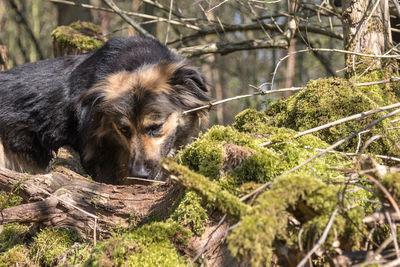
(139, 170)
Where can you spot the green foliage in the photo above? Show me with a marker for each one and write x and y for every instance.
(8, 200)
(310, 199)
(16, 256)
(190, 212)
(79, 254)
(327, 100)
(12, 234)
(150, 245)
(51, 244)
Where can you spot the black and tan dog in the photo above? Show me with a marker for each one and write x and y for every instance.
(119, 107)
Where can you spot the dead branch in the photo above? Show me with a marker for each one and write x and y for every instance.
(130, 21)
(224, 48)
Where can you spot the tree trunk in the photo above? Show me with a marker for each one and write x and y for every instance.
(366, 29)
(3, 57)
(67, 14)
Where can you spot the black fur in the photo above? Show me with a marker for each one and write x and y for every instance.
(42, 104)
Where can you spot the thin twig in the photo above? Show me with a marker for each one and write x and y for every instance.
(210, 239)
(393, 233)
(27, 28)
(321, 240)
(350, 118)
(171, 4)
(129, 13)
(327, 50)
(244, 96)
(136, 26)
(323, 152)
(385, 192)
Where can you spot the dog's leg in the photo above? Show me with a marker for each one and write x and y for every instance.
(17, 163)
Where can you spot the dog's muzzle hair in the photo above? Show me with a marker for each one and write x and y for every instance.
(120, 107)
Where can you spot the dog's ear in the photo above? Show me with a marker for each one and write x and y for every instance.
(189, 87)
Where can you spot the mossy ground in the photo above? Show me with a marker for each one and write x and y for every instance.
(327, 100)
(226, 163)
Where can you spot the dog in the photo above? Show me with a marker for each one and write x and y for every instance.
(120, 107)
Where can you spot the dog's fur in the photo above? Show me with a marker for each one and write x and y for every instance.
(119, 107)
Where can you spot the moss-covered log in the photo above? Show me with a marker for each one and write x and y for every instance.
(77, 38)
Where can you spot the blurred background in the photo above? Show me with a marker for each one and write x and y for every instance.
(26, 26)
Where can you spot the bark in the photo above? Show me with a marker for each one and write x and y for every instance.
(67, 14)
(65, 199)
(3, 58)
(365, 32)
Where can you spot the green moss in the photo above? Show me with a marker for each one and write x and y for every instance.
(8, 200)
(150, 245)
(250, 121)
(211, 191)
(79, 255)
(12, 234)
(51, 244)
(16, 256)
(392, 183)
(260, 164)
(327, 100)
(84, 36)
(313, 203)
(190, 212)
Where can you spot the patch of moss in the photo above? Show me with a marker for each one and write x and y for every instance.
(313, 203)
(190, 212)
(150, 245)
(84, 36)
(78, 255)
(16, 256)
(281, 152)
(52, 244)
(12, 234)
(8, 200)
(392, 183)
(327, 100)
(211, 191)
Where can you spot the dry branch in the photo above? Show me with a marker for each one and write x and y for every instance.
(224, 48)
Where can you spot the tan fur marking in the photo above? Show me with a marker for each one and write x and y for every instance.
(150, 77)
(152, 146)
(2, 156)
(14, 162)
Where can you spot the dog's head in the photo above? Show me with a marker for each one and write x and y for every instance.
(130, 120)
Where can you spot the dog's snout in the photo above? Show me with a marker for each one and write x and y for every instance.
(139, 169)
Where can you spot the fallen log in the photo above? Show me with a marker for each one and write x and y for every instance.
(64, 198)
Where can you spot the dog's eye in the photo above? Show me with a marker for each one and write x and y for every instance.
(154, 130)
(125, 130)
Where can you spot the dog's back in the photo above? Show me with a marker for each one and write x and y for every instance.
(41, 106)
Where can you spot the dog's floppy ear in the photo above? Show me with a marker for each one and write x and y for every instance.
(189, 87)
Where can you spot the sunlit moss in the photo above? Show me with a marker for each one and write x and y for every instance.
(327, 100)
(52, 244)
(12, 234)
(190, 212)
(149, 245)
(16, 256)
(83, 36)
(313, 203)
(9, 199)
(211, 191)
